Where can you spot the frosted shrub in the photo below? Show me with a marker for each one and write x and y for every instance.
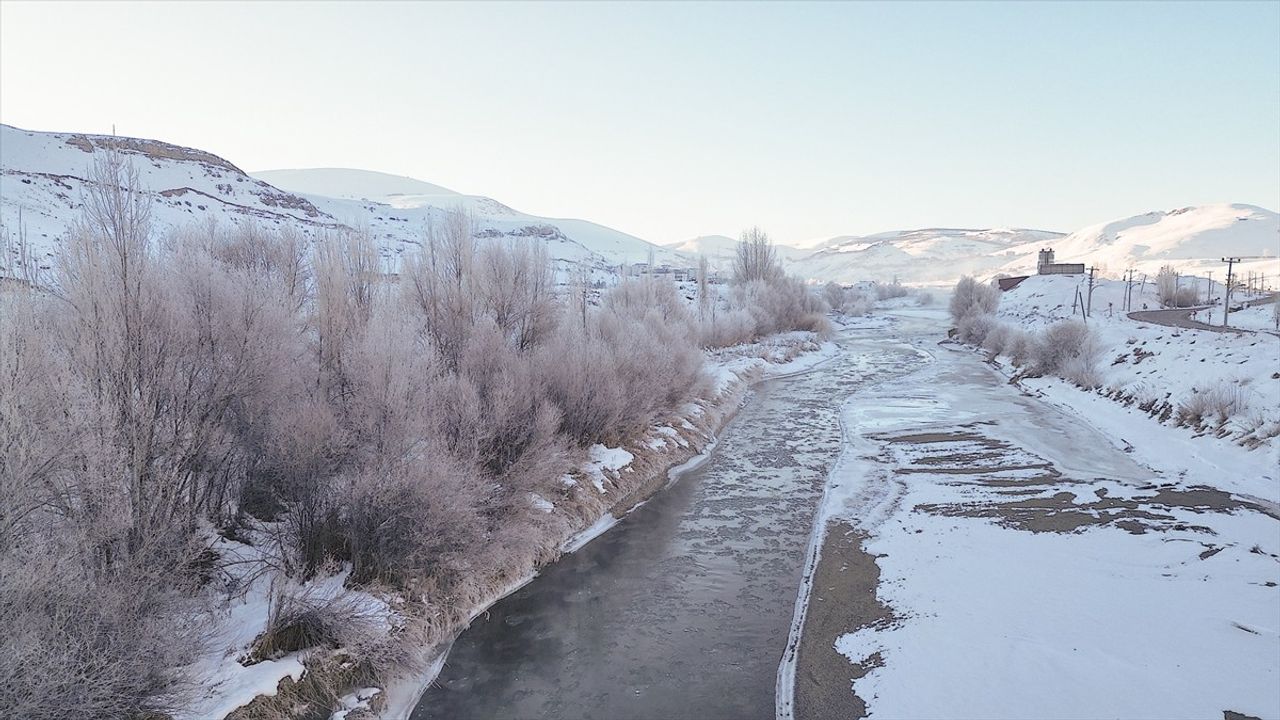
(1019, 345)
(925, 298)
(780, 305)
(77, 643)
(1218, 402)
(1082, 368)
(1171, 292)
(973, 298)
(846, 301)
(834, 294)
(1066, 346)
(728, 327)
(412, 519)
(997, 338)
(974, 328)
(888, 291)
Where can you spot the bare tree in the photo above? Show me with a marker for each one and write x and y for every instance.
(705, 301)
(755, 259)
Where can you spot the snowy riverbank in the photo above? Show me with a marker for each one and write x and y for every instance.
(1034, 554)
(614, 481)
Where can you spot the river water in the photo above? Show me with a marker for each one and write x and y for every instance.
(682, 610)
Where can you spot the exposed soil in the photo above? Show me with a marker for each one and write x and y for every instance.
(843, 600)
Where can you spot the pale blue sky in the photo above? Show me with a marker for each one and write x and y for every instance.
(682, 119)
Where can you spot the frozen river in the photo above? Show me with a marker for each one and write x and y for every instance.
(682, 609)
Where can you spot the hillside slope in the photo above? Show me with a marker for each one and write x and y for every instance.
(400, 200)
(43, 178)
(720, 250)
(1189, 238)
(926, 256)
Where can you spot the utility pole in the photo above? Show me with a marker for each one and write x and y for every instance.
(1226, 293)
(1088, 308)
(1208, 299)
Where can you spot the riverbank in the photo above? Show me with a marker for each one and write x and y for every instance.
(654, 462)
(604, 484)
(1026, 562)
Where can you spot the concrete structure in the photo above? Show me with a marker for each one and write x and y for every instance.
(1046, 265)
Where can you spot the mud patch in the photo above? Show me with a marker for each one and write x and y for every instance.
(1008, 485)
(843, 600)
(1062, 513)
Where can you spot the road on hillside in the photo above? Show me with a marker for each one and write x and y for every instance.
(1179, 318)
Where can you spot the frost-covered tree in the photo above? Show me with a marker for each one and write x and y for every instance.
(971, 297)
(755, 259)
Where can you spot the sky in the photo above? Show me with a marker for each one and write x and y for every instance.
(673, 120)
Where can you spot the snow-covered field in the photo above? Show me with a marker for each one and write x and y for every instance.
(1039, 557)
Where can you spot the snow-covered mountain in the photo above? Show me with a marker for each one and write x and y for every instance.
(931, 255)
(720, 249)
(399, 201)
(43, 177)
(1190, 239)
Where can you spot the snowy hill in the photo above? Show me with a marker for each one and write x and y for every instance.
(43, 177)
(401, 200)
(350, 184)
(1191, 239)
(1194, 238)
(926, 256)
(720, 249)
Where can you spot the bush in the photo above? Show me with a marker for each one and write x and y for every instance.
(299, 620)
(996, 339)
(1218, 402)
(79, 644)
(1019, 346)
(846, 301)
(972, 298)
(1171, 293)
(974, 328)
(890, 290)
(172, 389)
(1068, 349)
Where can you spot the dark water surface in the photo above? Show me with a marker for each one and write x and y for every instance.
(682, 610)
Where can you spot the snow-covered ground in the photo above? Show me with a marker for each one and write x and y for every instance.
(228, 677)
(1038, 557)
(1144, 364)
